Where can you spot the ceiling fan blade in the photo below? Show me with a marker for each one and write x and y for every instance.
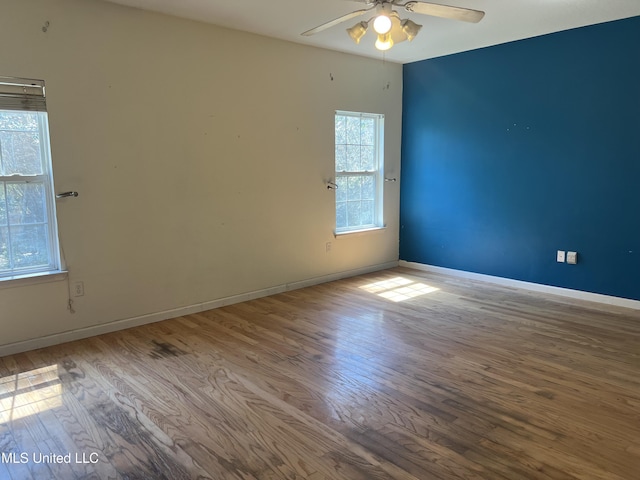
(444, 11)
(338, 20)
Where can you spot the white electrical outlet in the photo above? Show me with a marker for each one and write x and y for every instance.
(560, 256)
(572, 257)
(78, 289)
(327, 247)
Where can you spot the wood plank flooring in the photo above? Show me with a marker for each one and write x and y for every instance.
(394, 375)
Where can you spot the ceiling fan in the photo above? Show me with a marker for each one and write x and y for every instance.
(388, 25)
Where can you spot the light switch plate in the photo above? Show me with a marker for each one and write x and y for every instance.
(560, 256)
(572, 257)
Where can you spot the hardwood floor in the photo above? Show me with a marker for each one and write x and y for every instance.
(393, 375)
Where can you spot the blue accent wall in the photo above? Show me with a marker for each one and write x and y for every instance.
(512, 152)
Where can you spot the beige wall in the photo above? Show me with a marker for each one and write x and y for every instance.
(200, 156)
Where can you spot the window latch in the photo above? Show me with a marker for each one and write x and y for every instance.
(67, 194)
(332, 186)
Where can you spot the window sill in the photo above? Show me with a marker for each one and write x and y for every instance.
(33, 279)
(364, 231)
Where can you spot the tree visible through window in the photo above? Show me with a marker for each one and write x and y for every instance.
(28, 237)
(359, 161)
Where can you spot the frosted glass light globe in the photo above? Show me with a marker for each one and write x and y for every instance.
(384, 42)
(382, 24)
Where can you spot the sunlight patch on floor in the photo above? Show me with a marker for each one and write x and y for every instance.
(399, 289)
(28, 393)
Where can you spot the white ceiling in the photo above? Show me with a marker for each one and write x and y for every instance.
(505, 20)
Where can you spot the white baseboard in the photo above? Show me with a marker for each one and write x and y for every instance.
(536, 287)
(63, 337)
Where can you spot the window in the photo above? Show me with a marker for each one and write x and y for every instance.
(359, 162)
(28, 234)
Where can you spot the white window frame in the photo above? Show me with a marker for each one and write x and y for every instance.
(24, 95)
(376, 174)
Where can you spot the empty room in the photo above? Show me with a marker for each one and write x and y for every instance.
(337, 240)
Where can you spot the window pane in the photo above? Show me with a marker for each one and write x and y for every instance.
(341, 133)
(20, 151)
(368, 131)
(4, 248)
(29, 246)
(368, 188)
(367, 154)
(366, 212)
(353, 130)
(341, 214)
(18, 120)
(26, 203)
(341, 191)
(353, 158)
(3, 206)
(341, 158)
(354, 188)
(353, 214)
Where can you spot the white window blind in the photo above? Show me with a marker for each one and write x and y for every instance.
(22, 94)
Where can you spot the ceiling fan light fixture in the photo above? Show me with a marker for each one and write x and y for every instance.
(357, 31)
(382, 24)
(384, 42)
(410, 29)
